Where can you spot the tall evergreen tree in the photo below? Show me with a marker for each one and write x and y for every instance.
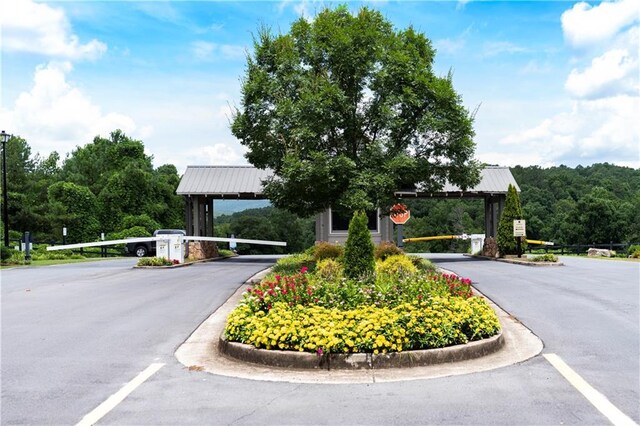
(507, 243)
(358, 250)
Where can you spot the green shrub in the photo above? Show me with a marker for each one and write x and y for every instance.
(386, 249)
(634, 251)
(396, 265)
(329, 269)
(225, 253)
(6, 253)
(154, 261)
(324, 250)
(293, 264)
(548, 257)
(358, 250)
(422, 264)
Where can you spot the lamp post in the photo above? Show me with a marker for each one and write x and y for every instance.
(5, 194)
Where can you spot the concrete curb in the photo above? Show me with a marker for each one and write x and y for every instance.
(201, 352)
(515, 261)
(360, 361)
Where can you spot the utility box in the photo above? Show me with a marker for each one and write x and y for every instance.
(477, 242)
(171, 247)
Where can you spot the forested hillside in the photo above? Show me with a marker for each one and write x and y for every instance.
(267, 223)
(582, 205)
(108, 186)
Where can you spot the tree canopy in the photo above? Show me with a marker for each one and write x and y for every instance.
(346, 110)
(108, 185)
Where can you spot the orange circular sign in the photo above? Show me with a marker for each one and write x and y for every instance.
(399, 214)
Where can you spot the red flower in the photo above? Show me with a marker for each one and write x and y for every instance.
(304, 269)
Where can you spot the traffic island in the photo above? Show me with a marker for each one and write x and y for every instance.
(203, 351)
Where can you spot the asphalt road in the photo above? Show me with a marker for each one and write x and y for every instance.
(73, 335)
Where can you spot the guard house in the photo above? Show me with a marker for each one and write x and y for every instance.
(200, 185)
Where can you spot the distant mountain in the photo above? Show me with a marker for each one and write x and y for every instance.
(228, 207)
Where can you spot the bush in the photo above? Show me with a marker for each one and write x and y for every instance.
(396, 265)
(386, 249)
(421, 264)
(293, 264)
(548, 257)
(358, 250)
(433, 323)
(156, 261)
(6, 253)
(324, 250)
(329, 269)
(634, 251)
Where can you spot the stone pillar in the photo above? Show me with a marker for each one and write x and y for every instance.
(209, 217)
(200, 250)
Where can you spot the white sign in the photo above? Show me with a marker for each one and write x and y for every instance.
(519, 228)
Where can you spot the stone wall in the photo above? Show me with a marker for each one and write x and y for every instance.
(199, 250)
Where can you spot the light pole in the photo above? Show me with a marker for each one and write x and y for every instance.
(5, 193)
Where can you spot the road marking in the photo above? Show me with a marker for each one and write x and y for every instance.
(101, 410)
(597, 399)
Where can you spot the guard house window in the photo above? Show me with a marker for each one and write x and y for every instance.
(341, 224)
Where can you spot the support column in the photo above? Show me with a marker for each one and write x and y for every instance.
(195, 214)
(209, 217)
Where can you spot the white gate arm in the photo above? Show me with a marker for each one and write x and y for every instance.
(106, 243)
(237, 240)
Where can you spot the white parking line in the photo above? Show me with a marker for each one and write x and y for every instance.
(101, 410)
(597, 399)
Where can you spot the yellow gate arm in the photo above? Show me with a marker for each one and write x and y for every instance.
(539, 242)
(439, 237)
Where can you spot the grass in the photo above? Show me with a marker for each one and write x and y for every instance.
(50, 262)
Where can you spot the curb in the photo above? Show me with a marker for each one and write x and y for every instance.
(514, 261)
(361, 361)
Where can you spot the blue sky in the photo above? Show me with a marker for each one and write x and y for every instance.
(554, 82)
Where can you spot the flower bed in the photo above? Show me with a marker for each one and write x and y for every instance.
(401, 308)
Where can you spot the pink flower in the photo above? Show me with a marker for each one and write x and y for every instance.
(304, 269)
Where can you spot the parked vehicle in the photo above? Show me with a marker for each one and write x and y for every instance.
(148, 248)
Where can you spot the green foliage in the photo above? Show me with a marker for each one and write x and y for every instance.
(358, 250)
(329, 269)
(396, 265)
(140, 221)
(547, 257)
(225, 253)
(155, 261)
(421, 264)
(293, 264)
(75, 207)
(324, 250)
(386, 249)
(6, 253)
(512, 211)
(345, 109)
(136, 231)
(267, 223)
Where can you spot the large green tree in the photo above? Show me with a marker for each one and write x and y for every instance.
(346, 110)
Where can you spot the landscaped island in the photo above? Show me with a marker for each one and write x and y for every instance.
(307, 304)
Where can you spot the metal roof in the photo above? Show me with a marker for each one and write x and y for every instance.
(493, 180)
(245, 182)
(223, 181)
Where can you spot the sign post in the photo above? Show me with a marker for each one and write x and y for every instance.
(519, 231)
(399, 215)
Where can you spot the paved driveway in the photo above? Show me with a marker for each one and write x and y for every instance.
(74, 335)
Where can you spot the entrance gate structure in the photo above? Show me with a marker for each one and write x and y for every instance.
(200, 185)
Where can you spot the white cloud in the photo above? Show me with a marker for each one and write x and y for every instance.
(39, 28)
(219, 154)
(206, 51)
(55, 115)
(593, 131)
(615, 72)
(584, 25)
(602, 124)
(536, 67)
